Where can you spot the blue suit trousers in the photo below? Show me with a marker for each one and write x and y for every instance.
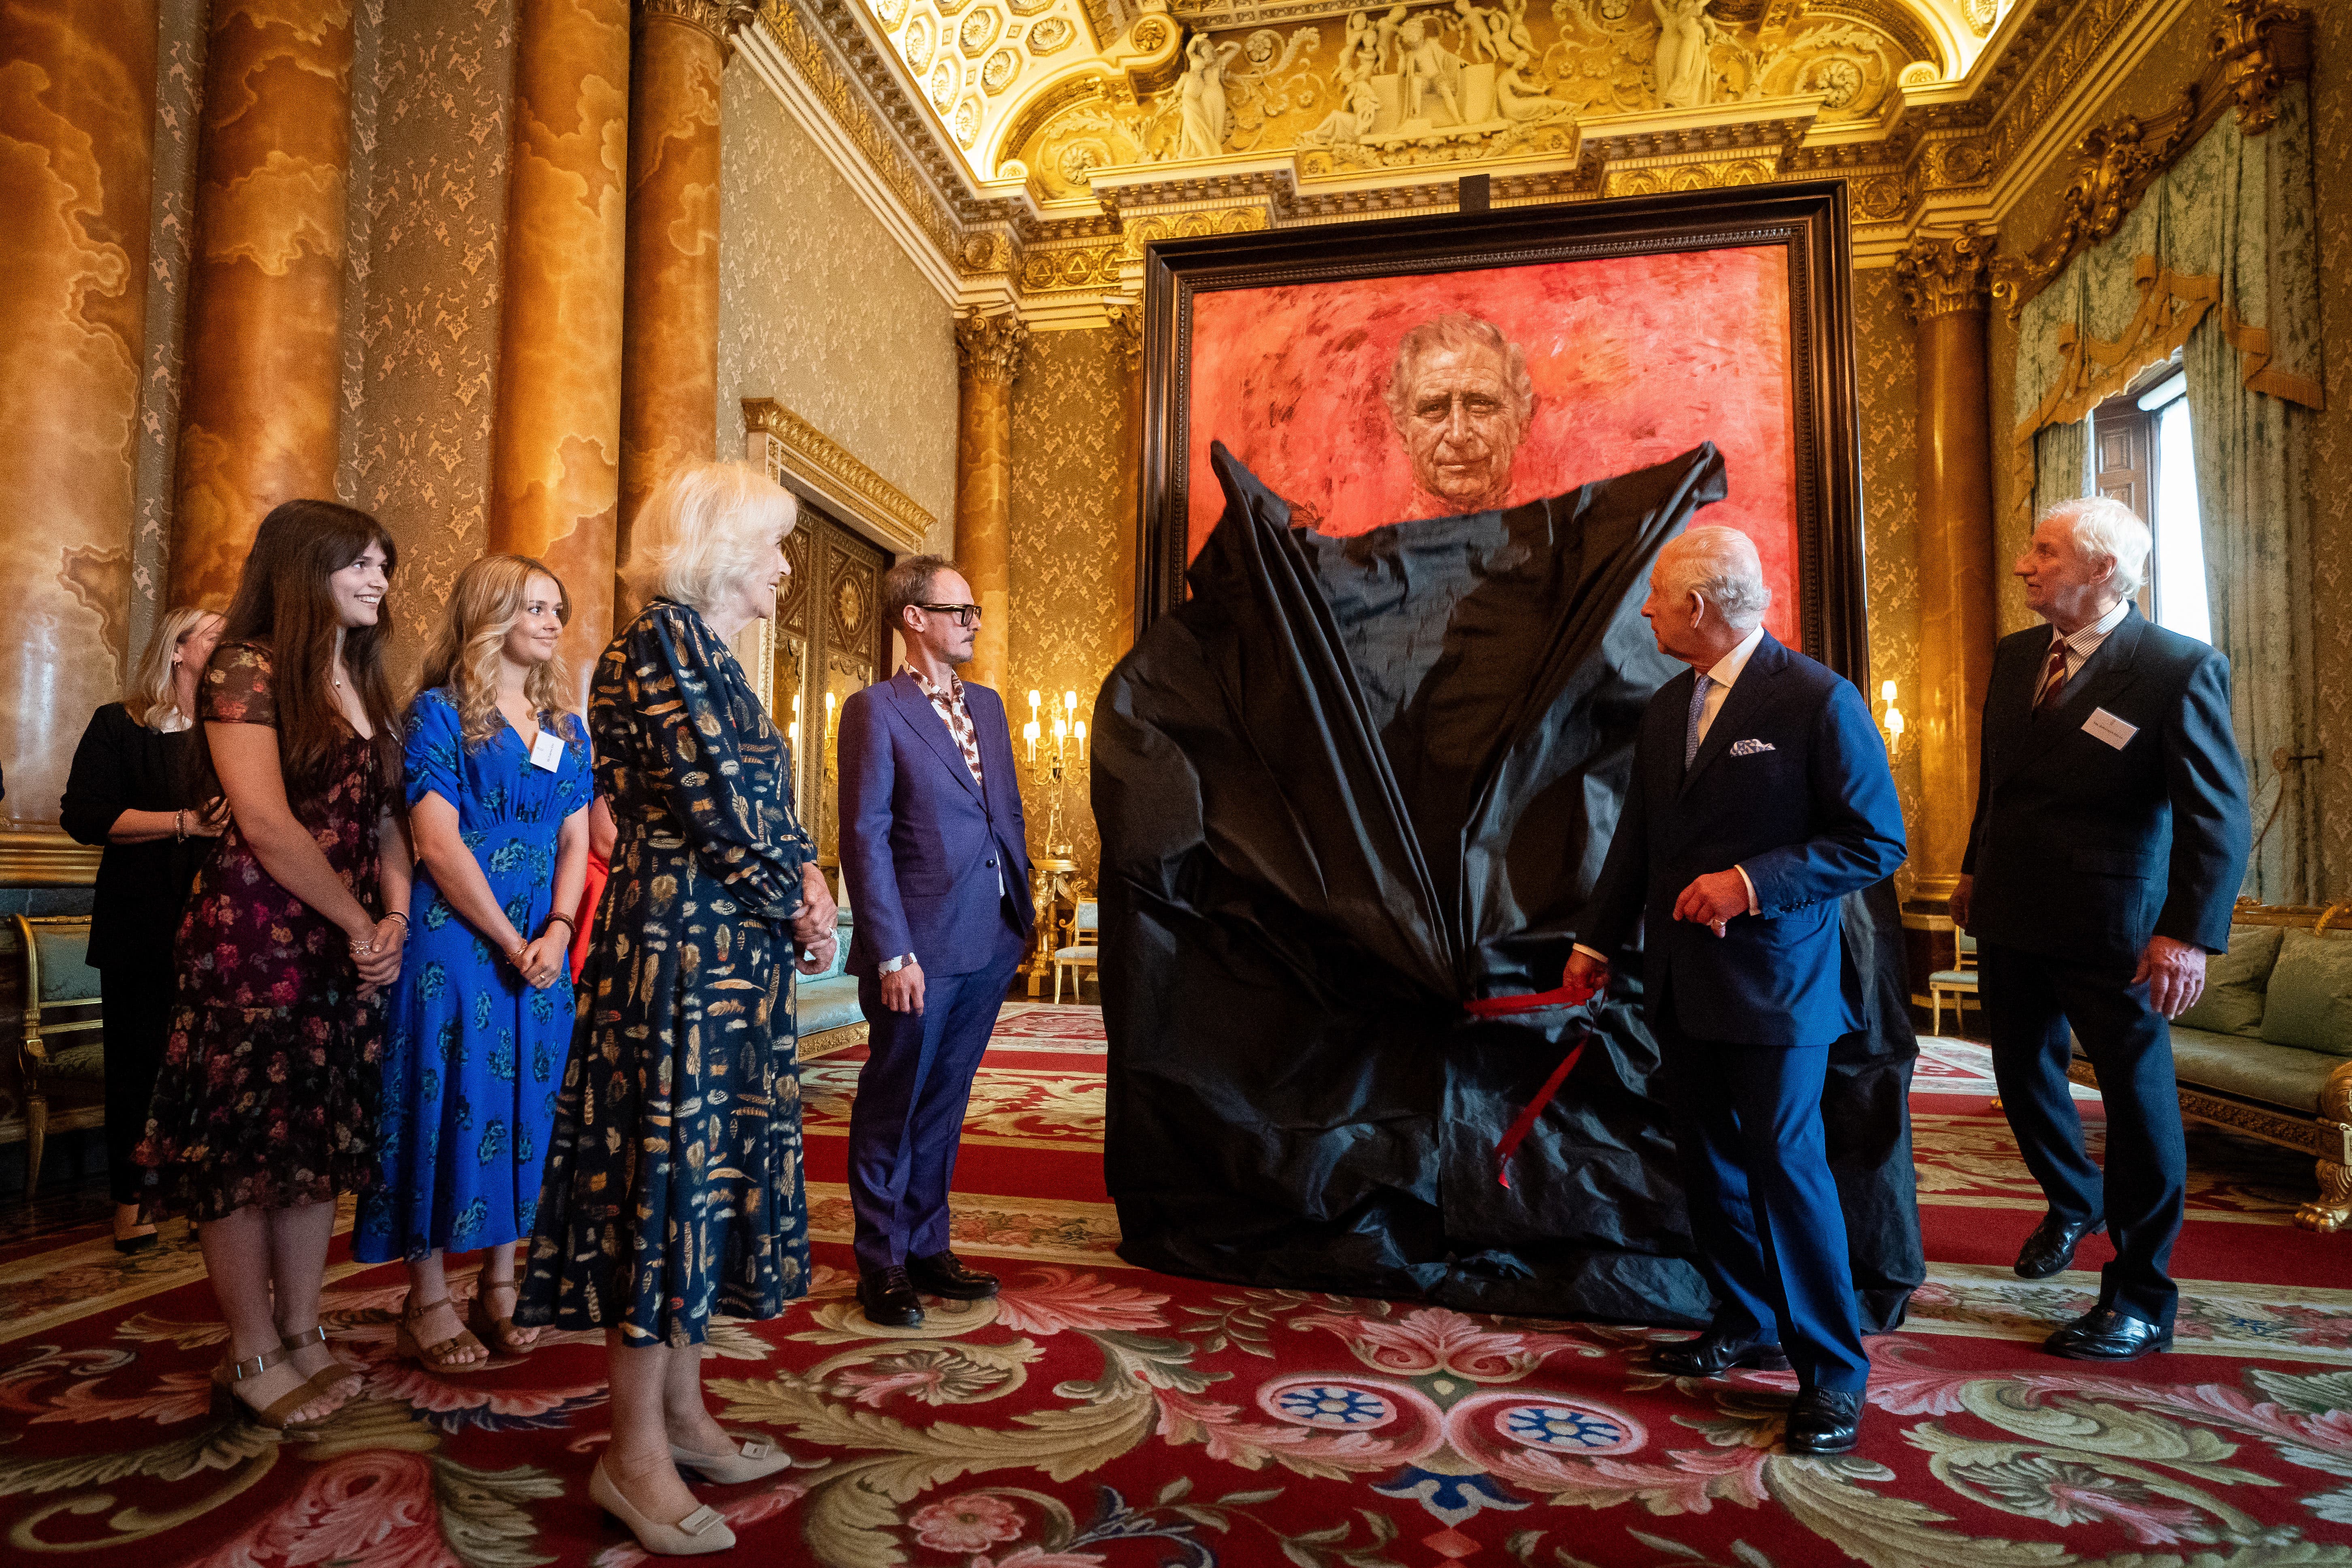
(1764, 1206)
(906, 1123)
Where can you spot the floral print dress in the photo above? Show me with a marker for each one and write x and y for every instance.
(472, 1054)
(674, 1186)
(266, 1095)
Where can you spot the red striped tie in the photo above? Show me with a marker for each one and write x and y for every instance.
(2054, 677)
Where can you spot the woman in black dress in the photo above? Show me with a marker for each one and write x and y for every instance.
(135, 788)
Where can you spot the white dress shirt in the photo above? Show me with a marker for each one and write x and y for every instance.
(1725, 675)
(2082, 643)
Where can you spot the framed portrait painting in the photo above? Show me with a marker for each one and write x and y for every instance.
(1379, 373)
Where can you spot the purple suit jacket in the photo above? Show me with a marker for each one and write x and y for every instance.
(921, 845)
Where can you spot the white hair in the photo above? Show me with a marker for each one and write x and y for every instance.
(2102, 528)
(706, 527)
(1720, 566)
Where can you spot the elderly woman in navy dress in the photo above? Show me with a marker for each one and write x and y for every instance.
(481, 1020)
(673, 1190)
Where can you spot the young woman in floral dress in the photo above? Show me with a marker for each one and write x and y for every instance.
(481, 1020)
(263, 1110)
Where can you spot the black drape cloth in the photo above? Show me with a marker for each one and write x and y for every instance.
(1349, 783)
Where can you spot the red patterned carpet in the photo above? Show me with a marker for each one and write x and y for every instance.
(1108, 1416)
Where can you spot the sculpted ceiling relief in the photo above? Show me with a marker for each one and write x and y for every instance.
(1422, 83)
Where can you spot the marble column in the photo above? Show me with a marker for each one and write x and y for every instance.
(258, 419)
(1127, 332)
(77, 134)
(556, 456)
(669, 360)
(989, 348)
(1944, 285)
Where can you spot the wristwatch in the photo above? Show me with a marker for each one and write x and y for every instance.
(892, 965)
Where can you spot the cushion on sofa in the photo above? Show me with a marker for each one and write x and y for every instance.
(2310, 999)
(2234, 983)
(2283, 1076)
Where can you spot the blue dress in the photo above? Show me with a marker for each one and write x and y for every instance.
(473, 1056)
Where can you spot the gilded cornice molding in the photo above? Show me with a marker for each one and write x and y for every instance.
(719, 18)
(822, 465)
(1127, 331)
(990, 348)
(2256, 49)
(46, 858)
(1946, 277)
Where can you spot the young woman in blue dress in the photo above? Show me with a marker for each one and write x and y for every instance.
(498, 791)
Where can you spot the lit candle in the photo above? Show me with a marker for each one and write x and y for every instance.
(792, 731)
(1886, 691)
(1029, 733)
(1061, 733)
(1082, 740)
(1033, 699)
(828, 715)
(1070, 702)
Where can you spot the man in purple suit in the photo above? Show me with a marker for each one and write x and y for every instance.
(936, 859)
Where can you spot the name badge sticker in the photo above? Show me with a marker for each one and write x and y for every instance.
(547, 752)
(2104, 726)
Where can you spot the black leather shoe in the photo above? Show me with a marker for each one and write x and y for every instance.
(2104, 1333)
(1712, 1355)
(943, 1275)
(2052, 1246)
(888, 1298)
(1822, 1421)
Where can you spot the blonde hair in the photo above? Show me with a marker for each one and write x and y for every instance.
(154, 698)
(483, 607)
(705, 527)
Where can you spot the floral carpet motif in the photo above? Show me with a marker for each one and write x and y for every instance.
(1095, 1415)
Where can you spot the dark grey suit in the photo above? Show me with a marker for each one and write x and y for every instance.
(2082, 850)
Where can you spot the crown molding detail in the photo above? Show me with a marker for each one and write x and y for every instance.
(991, 348)
(1946, 277)
(833, 478)
(719, 18)
(1936, 155)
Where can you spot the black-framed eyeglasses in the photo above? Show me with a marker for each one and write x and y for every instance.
(965, 615)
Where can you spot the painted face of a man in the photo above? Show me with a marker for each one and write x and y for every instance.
(1460, 426)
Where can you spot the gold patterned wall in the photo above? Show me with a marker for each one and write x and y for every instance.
(820, 309)
(1887, 366)
(429, 147)
(2331, 439)
(1068, 430)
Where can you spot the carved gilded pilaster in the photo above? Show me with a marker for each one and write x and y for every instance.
(1946, 285)
(555, 460)
(1127, 332)
(2260, 46)
(262, 411)
(78, 128)
(669, 369)
(989, 351)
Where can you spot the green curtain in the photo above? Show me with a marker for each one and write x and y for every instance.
(2219, 261)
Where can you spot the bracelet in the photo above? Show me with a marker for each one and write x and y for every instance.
(514, 958)
(180, 826)
(400, 915)
(568, 923)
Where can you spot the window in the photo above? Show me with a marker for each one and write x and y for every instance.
(2144, 460)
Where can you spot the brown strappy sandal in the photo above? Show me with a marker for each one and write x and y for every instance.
(439, 1356)
(496, 1332)
(229, 1373)
(337, 1381)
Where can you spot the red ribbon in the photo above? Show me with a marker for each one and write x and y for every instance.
(1570, 994)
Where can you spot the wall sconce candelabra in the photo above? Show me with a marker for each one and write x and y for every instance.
(1890, 722)
(1050, 771)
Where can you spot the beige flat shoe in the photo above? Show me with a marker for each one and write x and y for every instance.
(754, 1458)
(698, 1534)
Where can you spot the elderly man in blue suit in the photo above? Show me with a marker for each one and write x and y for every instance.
(936, 856)
(1760, 796)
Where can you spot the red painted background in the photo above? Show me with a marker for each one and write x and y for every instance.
(1635, 359)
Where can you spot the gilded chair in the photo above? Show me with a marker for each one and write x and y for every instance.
(64, 1047)
(1958, 982)
(1084, 923)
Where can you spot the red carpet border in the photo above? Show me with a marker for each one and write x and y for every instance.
(1100, 1415)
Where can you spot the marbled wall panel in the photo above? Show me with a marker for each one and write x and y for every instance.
(1067, 433)
(179, 99)
(424, 305)
(820, 309)
(2331, 441)
(1885, 360)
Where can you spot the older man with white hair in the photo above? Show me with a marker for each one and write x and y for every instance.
(2111, 835)
(1760, 796)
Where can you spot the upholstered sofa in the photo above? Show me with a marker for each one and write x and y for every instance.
(2267, 1049)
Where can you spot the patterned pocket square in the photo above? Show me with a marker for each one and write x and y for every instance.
(1749, 748)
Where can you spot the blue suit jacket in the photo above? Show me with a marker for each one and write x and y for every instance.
(2081, 850)
(1811, 816)
(921, 845)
